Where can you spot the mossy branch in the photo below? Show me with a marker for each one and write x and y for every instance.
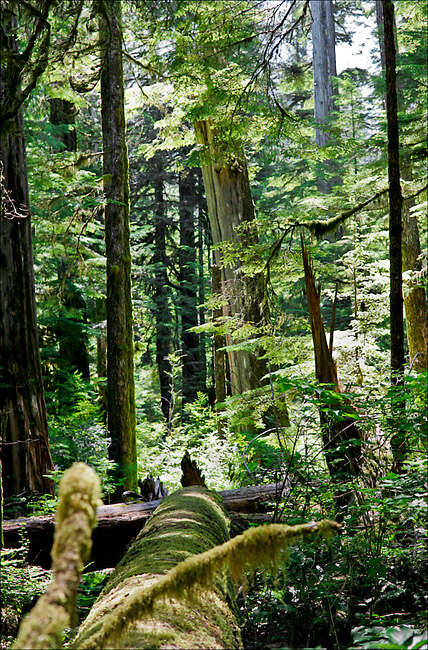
(79, 495)
(254, 548)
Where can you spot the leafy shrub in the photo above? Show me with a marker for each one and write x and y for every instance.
(20, 587)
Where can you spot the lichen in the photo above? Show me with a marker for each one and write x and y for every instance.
(187, 523)
(76, 516)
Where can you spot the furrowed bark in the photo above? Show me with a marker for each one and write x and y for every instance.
(398, 440)
(24, 432)
(120, 345)
(324, 69)
(192, 371)
(231, 213)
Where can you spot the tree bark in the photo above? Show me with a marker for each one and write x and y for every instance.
(120, 346)
(324, 69)
(415, 302)
(161, 294)
(201, 279)
(100, 315)
(219, 341)
(231, 212)
(119, 524)
(24, 432)
(398, 439)
(192, 371)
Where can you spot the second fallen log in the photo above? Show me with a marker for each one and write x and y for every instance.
(119, 524)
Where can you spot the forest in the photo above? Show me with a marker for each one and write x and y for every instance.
(213, 329)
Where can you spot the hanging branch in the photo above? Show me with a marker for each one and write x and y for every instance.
(76, 517)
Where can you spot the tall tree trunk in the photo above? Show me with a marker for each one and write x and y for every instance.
(201, 279)
(100, 315)
(219, 341)
(324, 69)
(72, 337)
(231, 212)
(398, 440)
(192, 373)
(24, 432)
(161, 293)
(63, 113)
(120, 345)
(415, 302)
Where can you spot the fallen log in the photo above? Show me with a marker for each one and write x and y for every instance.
(172, 589)
(119, 524)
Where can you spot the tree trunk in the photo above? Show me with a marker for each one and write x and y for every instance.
(192, 372)
(120, 346)
(72, 337)
(415, 302)
(188, 522)
(201, 279)
(219, 339)
(398, 440)
(24, 433)
(161, 294)
(100, 315)
(231, 212)
(379, 21)
(324, 69)
(119, 524)
(63, 113)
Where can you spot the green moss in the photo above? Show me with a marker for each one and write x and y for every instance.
(187, 523)
(139, 605)
(79, 494)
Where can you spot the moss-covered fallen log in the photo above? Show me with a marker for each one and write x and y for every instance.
(186, 523)
(119, 524)
(173, 587)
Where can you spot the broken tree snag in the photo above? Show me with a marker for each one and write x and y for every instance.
(118, 525)
(341, 437)
(76, 516)
(188, 522)
(191, 472)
